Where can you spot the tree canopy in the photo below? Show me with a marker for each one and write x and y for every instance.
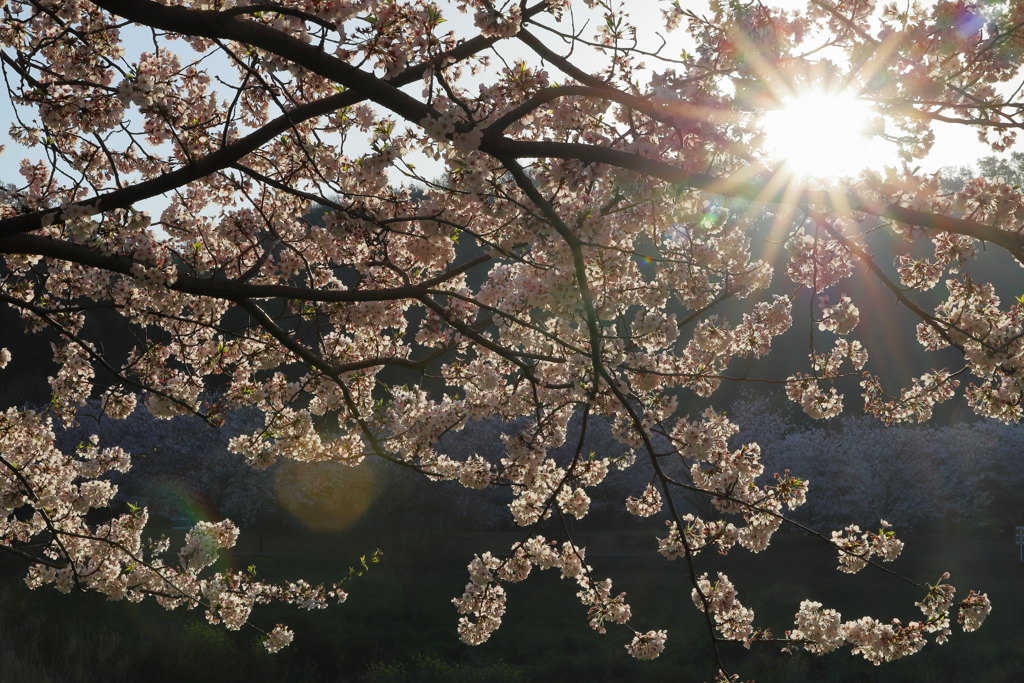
(373, 223)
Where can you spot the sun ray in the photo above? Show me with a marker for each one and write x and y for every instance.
(840, 202)
(879, 60)
(770, 190)
(765, 70)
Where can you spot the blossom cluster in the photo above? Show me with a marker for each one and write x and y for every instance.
(718, 598)
(730, 475)
(484, 598)
(46, 497)
(856, 547)
(820, 630)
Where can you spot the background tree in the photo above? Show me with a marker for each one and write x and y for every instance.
(585, 156)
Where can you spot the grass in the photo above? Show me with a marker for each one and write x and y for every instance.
(399, 625)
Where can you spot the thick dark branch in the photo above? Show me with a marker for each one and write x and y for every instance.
(227, 155)
(838, 201)
(563, 64)
(277, 8)
(222, 25)
(214, 24)
(670, 113)
(34, 559)
(196, 170)
(220, 289)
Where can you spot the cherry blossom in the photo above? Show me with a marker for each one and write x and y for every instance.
(376, 224)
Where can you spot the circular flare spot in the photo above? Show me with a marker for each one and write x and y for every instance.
(324, 496)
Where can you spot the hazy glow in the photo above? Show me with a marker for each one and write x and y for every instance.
(324, 496)
(822, 134)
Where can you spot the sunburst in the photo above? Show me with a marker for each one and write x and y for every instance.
(824, 134)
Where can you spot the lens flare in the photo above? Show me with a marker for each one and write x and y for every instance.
(325, 496)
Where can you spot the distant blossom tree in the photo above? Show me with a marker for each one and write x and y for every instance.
(866, 467)
(180, 467)
(575, 260)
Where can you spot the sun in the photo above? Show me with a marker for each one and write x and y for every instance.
(824, 135)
